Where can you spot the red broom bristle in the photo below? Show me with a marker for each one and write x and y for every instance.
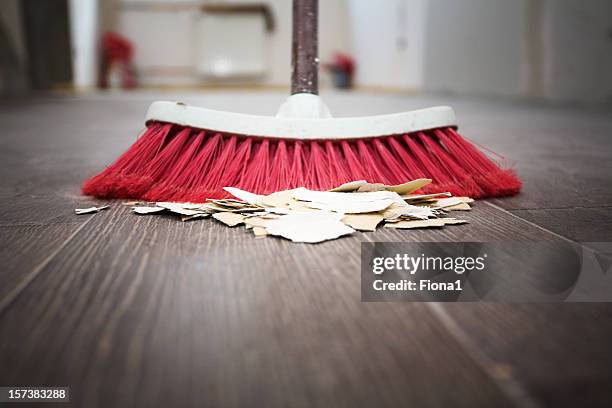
(107, 183)
(175, 163)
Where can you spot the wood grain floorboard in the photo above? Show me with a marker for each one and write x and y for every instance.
(577, 224)
(560, 353)
(148, 311)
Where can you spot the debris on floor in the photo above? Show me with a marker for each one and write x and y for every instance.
(303, 215)
(90, 210)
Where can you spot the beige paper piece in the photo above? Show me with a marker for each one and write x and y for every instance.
(147, 210)
(260, 232)
(279, 211)
(229, 218)
(406, 210)
(300, 206)
(409, 187)
(459, 207)
(191, 217)
(244, 195)
(280, 199)
(350, 186)
(352, 208)
(90, 210)
(231, 203)
(422, 197)
(369, 187)
(363, 222)
(448, 202)
(179, 208)
(310, 227)
(433, 223)
(348, 203)
(257, 221)
(453, 221)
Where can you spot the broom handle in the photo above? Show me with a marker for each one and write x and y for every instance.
(304, 55)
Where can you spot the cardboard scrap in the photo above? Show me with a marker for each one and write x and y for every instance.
(363, 222)
(423, 197)
(409, 211)
(448, 202)
(459, 207)
(347, 203)
(350, 186)
(431, 223)
(303, 215)
(147, 210)
(244, 195)
(410, 186)
(90, 210)
(363, 186)
(260, 232)
(310, 227)
(229, 218)
(180, 208)
(280, 199)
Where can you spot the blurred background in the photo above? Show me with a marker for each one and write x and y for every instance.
(558, 50)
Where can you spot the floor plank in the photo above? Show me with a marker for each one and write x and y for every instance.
(559, 352)
(577, 224)
(142, 310)
(150, 311)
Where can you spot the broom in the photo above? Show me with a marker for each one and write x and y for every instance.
(189, 154)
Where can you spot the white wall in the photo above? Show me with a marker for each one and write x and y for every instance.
(84, 18)
(579, 42)
(476, 46)
(552, 49)
(164, 38)
(388, 42)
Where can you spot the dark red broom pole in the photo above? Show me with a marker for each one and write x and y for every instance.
(304, 56)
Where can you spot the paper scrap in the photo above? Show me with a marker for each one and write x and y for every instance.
(191, 217)
(310, 227)
(433, 223)
(410, 186)
(303, 215)
(448, 202)
(244, 195)
(260, 232)
(90, 210)
(453, 221)
(350, 186)
(352, 208)
(412, 211)
(370, 187)
(179, 208)
(280, 199)
(459, 207)
(363, 222)
(423, 197)
(229, 218)
(257, 221)
(147, 210)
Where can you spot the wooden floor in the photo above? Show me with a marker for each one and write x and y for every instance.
(151, 312)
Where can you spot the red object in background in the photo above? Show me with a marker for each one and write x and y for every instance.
(117, 70)
(342, 69)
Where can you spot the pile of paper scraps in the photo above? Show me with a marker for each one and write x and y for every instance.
(303, 215)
